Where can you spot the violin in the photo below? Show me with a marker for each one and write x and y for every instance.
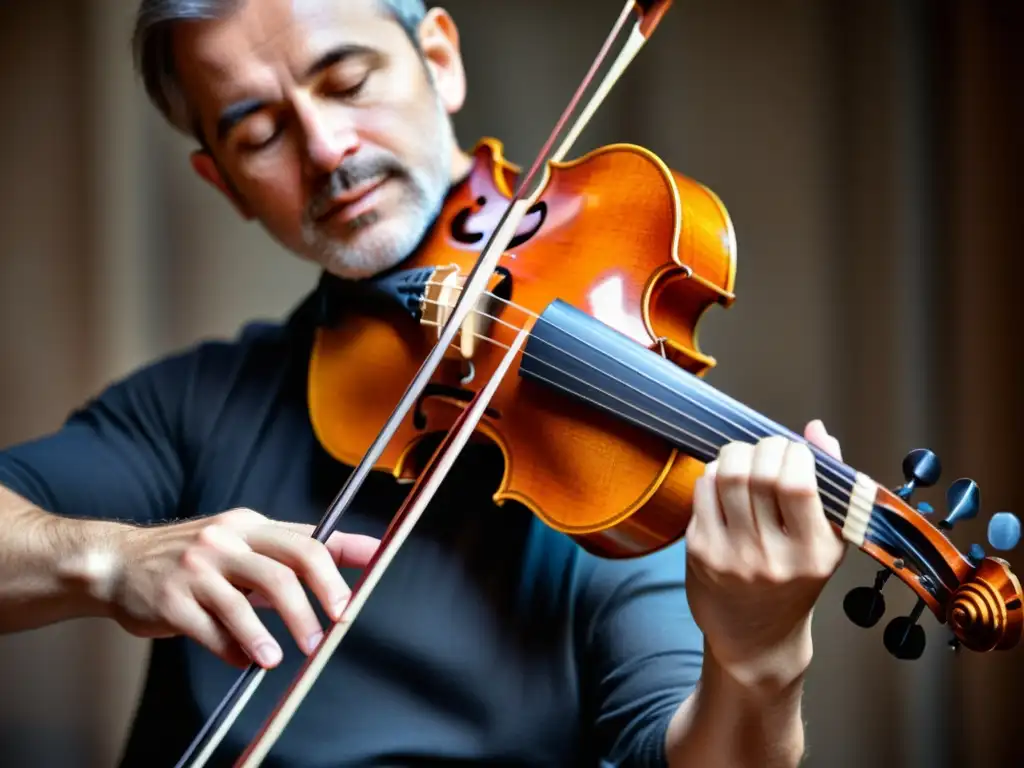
(587, 279)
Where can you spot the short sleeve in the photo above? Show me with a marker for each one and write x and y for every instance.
(118, 457)
(641, 655)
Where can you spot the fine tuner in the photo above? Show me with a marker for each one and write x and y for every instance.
(904, 638)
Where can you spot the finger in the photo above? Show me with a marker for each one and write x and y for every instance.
(256, 600)
(188, 618)
(279, 585)
(815, 433)
(352, 550)
(798, 499)
(764, 475)
(308, 558)
(706, 533)
(348, 550)
(732, 481)
(214, 593)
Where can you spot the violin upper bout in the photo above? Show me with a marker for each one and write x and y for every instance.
(702, 273)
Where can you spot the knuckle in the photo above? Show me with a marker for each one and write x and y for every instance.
(238, 613)
(732, 474)
(313, 552)
(776, 573)
(710, 561)
(317, 560)
(211, 535)
(772, 444)
(240, 516)
(701, 553)
(193, 560)
(281, 581)
(763, 480)
(797, 486)
(733, 453)
(823, 565)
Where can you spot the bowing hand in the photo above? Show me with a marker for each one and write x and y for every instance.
(759, 551)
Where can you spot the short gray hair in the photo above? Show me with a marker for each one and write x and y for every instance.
(151, 45)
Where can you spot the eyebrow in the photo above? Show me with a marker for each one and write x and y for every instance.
(336, 54)
(235, 113)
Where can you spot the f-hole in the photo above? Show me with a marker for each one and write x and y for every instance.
(419, 418)
(460, 224)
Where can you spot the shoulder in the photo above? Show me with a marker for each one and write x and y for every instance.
(190, 376)
(195, 386)
(180, 398)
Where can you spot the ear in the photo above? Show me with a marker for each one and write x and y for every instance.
(207, 169)
(439, 42)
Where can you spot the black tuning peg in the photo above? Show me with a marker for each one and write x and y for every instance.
(864, 606)
(904, 637)
(963, 500)
(921, 469)
(1003, 531)
(976, 554)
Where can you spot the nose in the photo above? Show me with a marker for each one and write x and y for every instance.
(329, 134)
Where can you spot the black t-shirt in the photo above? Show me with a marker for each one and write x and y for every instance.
(491, 639)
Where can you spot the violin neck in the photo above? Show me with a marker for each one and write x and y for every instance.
(596, 364)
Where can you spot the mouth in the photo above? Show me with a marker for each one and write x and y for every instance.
(354, 202)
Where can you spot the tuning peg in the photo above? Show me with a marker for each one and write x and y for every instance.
(962, 499)
(1003, 531)
(976, 554)
(904, 637)
(925, 508)
(921, 469)
(954, 643)
(864, 606)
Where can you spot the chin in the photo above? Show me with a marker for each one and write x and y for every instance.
(376, 248)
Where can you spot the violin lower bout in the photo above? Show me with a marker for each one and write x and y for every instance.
(618, 491)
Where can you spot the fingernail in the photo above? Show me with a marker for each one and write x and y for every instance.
(313, 641)
(339, 605)
(268, 654)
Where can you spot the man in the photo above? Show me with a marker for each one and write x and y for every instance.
(195, 481)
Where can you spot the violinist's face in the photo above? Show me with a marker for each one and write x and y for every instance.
(325, 123)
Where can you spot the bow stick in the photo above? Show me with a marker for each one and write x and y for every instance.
(412, 509)
(648, 15)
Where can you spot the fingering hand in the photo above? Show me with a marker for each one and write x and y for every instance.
(759, 551)
(188, 579)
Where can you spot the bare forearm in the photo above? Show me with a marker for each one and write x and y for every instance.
(49, 566)
(727, 725)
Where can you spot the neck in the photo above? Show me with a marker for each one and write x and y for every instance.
(572, 352)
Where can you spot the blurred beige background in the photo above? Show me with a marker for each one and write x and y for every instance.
(869, 154)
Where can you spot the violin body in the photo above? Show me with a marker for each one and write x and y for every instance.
(616, 234)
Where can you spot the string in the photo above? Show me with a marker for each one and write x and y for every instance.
(834, 516)
(831, 481)
(706, 443)
(879, 527)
